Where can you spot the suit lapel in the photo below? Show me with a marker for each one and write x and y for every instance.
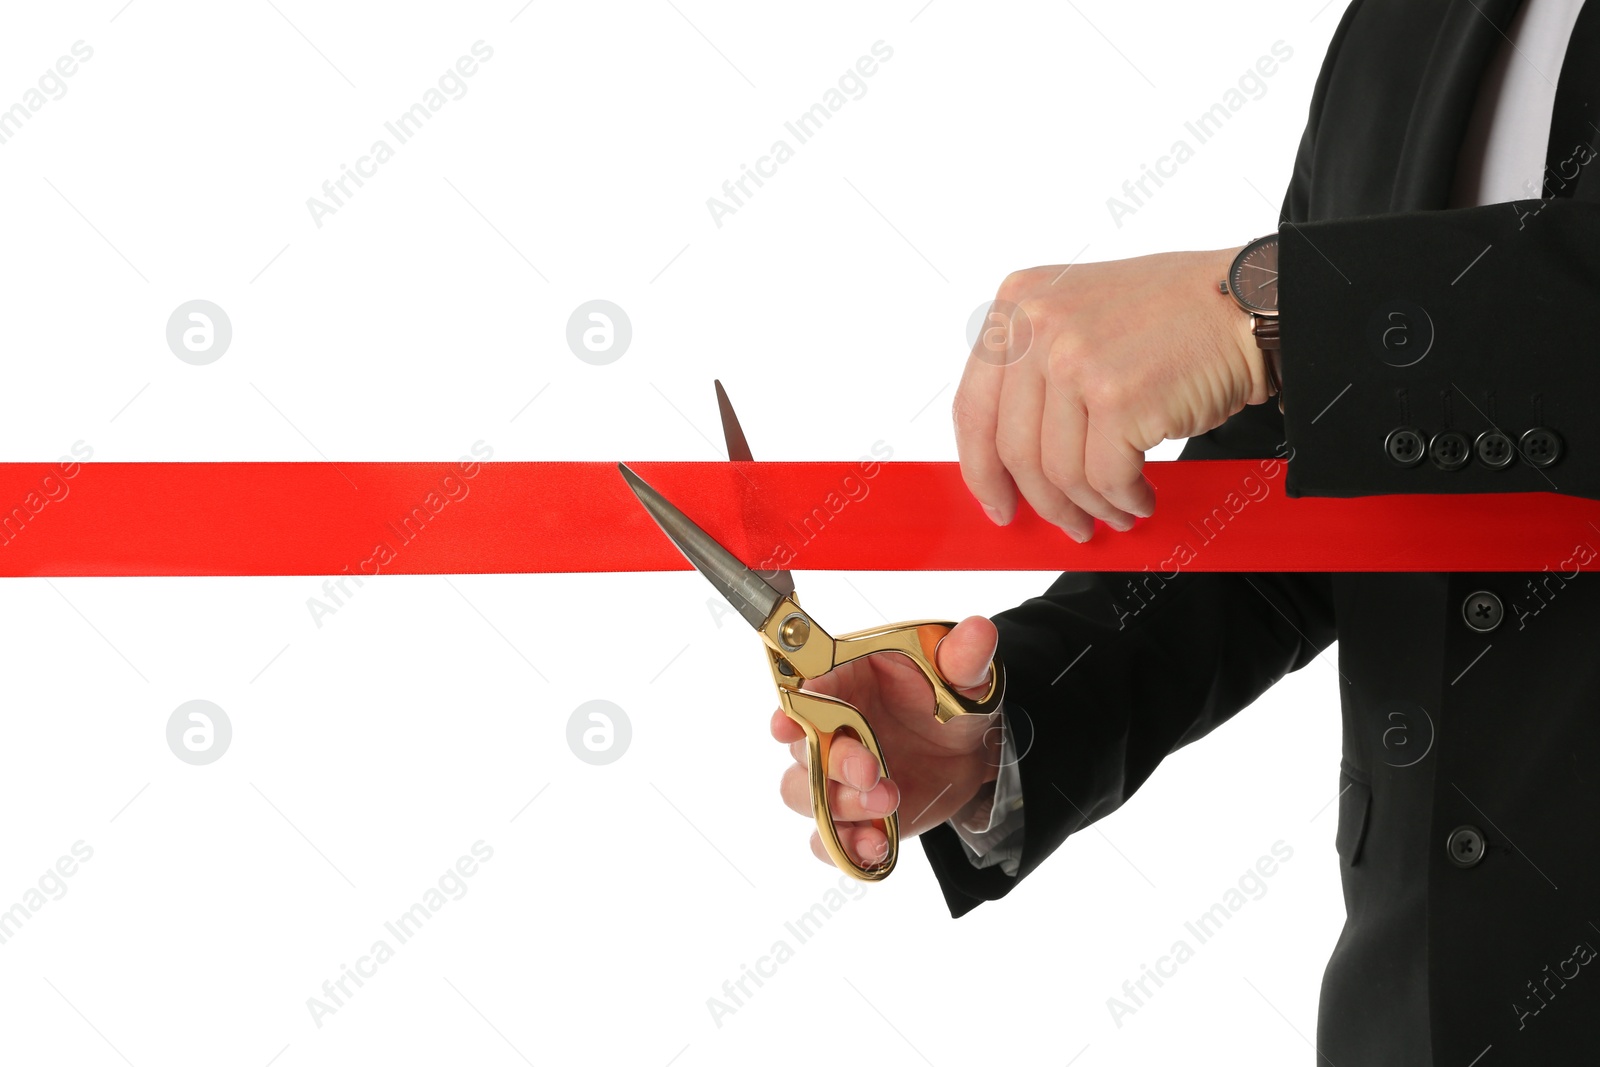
(1468, 35)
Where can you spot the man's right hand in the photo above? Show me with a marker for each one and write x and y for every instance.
(937, 769)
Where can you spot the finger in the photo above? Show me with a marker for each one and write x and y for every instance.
(867, 844)
(976, 413)
(847, 804)
(1066, 432)
(849, 761)
(785, 729)
(964, 654)
(1115, 466)
(1018, 441)
(832, 684)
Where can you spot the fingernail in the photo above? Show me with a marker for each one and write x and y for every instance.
(861, 769)
(995, 515)
(876, 800)
(1120, 525)
(1144, 511)
(1079, 536)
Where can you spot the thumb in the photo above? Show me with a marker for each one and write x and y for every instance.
(964, 654)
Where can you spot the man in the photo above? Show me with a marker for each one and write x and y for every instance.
(1440, 264)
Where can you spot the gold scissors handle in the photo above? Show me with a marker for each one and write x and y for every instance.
(800, 649)
(822, 718)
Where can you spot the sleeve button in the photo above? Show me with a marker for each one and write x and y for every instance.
(1494, 449)
(1449, 451)
(1541, 447)
(1404, 446)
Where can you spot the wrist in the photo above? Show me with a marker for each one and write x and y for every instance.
(1261, 381)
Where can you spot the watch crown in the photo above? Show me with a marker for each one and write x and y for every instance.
(1222, 287)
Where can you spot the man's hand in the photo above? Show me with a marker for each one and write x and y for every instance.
(937, 769)
(1096, 364)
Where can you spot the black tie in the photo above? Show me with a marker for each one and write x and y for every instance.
(1574, 132)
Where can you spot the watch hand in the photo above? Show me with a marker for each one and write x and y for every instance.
(1253, 266)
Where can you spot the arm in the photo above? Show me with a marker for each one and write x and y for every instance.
(1472, 321)
(1207, 646)
(1154, 678)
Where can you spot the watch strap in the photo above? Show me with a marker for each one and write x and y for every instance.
(1265, 329)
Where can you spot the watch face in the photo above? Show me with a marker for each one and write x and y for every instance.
(1254, 277)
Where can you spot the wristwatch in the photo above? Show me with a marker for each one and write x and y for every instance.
(1252, 281)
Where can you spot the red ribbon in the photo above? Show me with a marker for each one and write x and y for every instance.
(500, 517)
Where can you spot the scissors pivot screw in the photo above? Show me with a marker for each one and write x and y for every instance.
(793, 631)
(799, 650)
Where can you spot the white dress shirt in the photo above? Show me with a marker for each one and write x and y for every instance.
(1502, 159)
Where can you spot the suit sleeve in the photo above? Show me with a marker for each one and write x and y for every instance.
(1107, 673)
(1443, 351)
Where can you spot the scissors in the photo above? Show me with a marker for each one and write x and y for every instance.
(798, 649)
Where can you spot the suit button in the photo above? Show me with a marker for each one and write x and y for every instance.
(1404, 445)
(1542, 447)
(1449, 451)
(1494, 449)
(1482, 610)
(1465, 846)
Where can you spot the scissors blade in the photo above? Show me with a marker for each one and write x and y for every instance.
(750, 595)
(739, 451)
(732, 432)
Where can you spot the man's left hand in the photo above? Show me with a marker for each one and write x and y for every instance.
(1082, 369)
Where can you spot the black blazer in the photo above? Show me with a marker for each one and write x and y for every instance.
(1471, 873)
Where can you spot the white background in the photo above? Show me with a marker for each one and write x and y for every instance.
(371, 752)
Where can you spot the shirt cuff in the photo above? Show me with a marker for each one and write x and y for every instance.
(990, 826)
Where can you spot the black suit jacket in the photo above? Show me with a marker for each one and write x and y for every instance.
(1437, 962)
